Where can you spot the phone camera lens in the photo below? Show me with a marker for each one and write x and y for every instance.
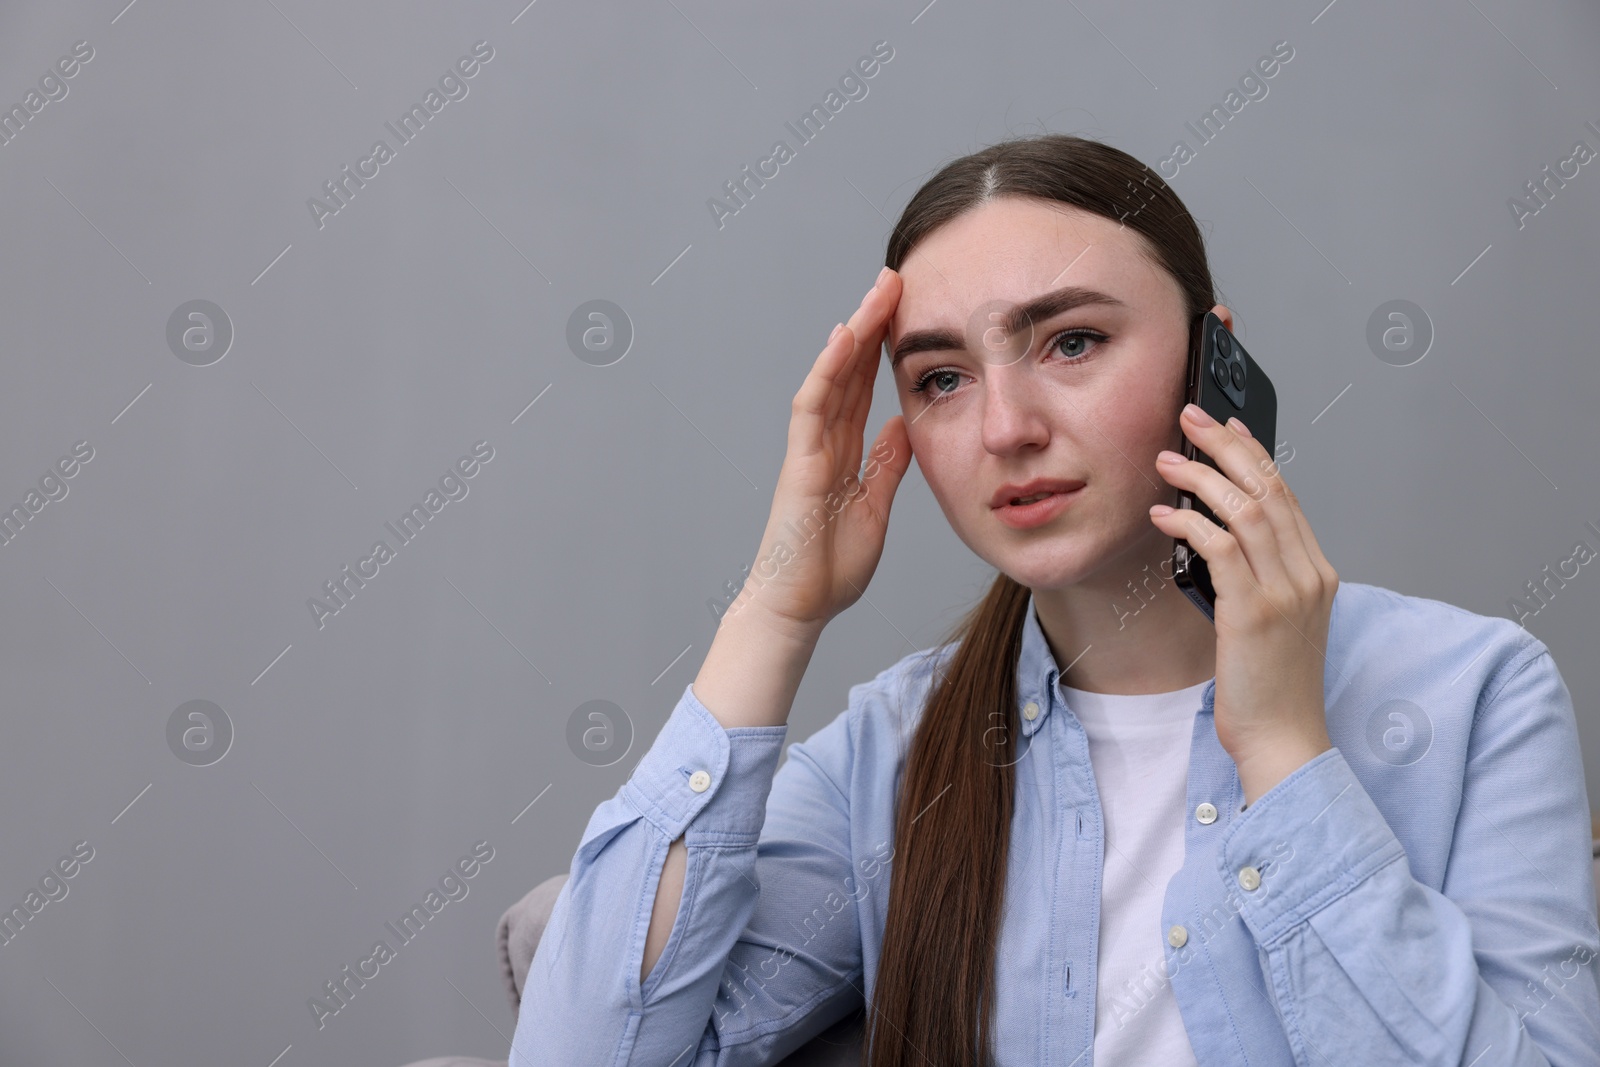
(1219, 371)
(1223, 344)
(1238, 375)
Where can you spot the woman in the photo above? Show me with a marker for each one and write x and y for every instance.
(1339, 825)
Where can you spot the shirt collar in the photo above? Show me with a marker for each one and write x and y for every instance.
(1038, 676)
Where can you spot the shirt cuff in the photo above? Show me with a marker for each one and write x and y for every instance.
(701, 772)
(1303, 844)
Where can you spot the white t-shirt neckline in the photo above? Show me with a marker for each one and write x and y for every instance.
(1133, 711)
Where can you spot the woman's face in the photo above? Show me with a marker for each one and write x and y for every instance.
(1009, 404)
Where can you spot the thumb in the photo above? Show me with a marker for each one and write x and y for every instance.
(889, 459)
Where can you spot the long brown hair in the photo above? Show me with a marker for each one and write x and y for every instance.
(934, 994)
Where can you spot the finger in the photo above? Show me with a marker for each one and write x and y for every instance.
(1261, 477)
(855, 421)
(1314, 561)
(1269, 465)
(846, 420)
(870, 361)
(808, 412)
(868, 326)
(1246, 520)
(1246, 464)
(892, 452)
(1313, 549)
(848, 372)
(852, 358)
(1220, 549)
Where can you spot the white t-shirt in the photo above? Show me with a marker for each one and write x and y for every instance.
(1139, 749)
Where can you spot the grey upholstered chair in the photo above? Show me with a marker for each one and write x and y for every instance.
(523, 924)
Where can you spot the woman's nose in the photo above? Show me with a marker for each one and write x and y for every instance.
(1014, 408)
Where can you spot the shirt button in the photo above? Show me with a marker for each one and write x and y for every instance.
(1249, 878)
(1177, 937)
(1206, 813)
(700, 781)
(1030, 711)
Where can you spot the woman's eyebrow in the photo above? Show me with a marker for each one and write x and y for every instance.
(1018, 319)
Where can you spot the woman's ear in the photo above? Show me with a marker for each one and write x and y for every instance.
(1221, 311)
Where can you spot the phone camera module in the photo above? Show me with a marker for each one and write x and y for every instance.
(1219, 371)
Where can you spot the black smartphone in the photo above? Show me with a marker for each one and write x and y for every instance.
(1224, 382)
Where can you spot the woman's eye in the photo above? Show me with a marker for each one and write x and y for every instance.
(1070, 342)
(939, 383)
(942, 382)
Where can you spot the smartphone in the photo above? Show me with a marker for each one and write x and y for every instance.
(1224, 382)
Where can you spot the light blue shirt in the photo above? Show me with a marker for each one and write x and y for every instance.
(1421, 893)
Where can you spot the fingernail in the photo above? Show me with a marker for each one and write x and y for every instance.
(835, 332)
(1239, 427)
(882, 274)
(1198, 416)
(1160, 509)
(1164, 456)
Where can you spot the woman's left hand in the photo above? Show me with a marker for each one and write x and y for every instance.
(1274, 599)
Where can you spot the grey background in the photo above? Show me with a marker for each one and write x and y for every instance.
(427, 314)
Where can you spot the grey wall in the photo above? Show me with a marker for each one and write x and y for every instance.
(370, 352)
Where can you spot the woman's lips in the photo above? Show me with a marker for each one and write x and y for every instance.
(1026, 516)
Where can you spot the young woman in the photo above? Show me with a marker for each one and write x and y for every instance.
(1340, 825)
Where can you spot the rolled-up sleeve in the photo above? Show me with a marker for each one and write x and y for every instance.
(1367, 965)
(583, 1001)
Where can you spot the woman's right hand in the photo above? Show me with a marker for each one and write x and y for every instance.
(826, 531)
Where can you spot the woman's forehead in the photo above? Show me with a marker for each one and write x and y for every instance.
(1023, 242)
(1011, 251)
